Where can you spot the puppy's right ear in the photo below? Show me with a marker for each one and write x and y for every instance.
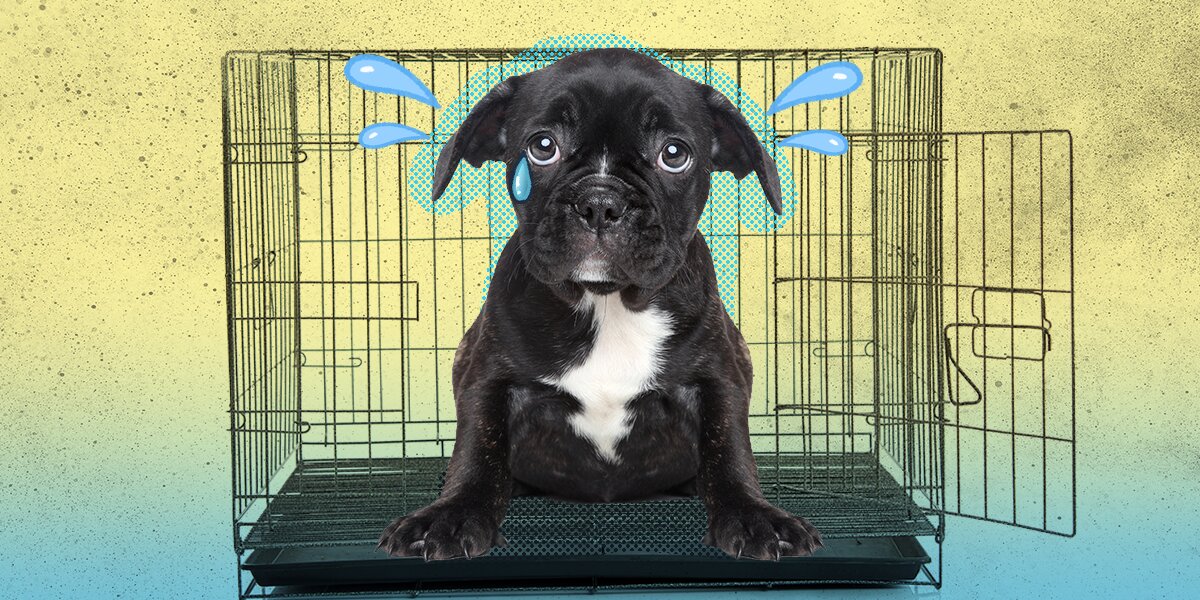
(479, 138)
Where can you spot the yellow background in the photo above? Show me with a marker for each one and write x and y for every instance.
(114, 449)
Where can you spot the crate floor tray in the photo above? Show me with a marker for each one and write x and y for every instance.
(322, 525)
(864, 560)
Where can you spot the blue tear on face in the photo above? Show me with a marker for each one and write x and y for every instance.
(522, 183)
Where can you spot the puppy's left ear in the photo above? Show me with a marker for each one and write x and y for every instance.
(479, 138)
(736, 149)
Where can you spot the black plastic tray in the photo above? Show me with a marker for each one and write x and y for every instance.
(867, 560)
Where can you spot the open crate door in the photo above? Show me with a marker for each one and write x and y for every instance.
(1007, 328)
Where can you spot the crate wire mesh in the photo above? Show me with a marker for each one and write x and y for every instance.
(910, 316)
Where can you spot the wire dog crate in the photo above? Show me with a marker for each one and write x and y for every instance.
(910, 316)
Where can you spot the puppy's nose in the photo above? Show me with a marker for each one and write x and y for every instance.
(600, 209)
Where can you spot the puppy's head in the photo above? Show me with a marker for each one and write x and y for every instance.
(619, 149)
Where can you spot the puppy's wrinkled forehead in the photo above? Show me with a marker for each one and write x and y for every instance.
(611, 104)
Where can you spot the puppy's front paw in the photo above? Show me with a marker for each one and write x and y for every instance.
(762, 531)
(440, 531)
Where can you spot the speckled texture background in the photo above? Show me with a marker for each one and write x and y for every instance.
(114, 474)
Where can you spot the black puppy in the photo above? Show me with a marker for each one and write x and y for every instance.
(603, 365)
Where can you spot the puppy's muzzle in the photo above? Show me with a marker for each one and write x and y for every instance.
(600, 201)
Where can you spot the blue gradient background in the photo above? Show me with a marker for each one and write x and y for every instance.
(114, 452)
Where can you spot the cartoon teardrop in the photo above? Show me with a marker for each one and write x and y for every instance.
(378, 74)
(830, 80)
(381, 135)
(821, 141)
(522, 183)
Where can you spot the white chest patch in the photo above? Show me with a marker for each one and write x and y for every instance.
(622, 363)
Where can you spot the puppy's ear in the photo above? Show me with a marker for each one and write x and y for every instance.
(736, 149)
(479, 138)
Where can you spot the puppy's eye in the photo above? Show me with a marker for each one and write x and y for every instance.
(674, 157)
(543, 150)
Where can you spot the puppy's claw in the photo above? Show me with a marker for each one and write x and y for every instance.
(441, 531)
(761, 531)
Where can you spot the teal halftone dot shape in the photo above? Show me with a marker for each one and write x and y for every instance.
(732, 204)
